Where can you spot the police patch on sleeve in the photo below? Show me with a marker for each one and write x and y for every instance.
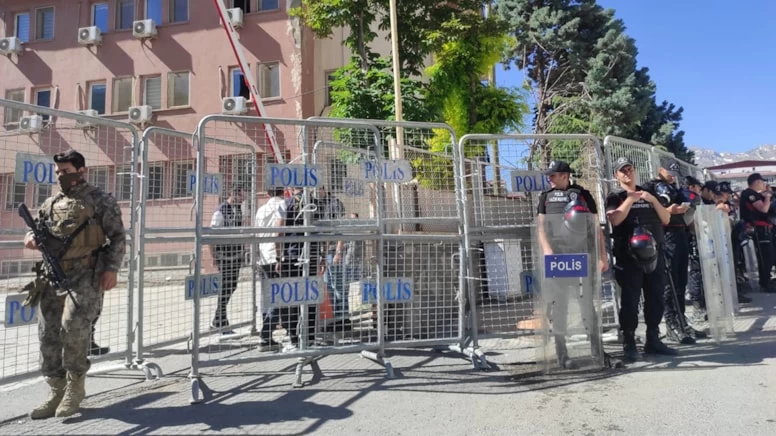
(573, 196)
(752, 198)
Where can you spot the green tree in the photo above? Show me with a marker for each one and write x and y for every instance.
(661, 127)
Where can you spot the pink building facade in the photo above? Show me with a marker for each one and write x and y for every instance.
(182, 73)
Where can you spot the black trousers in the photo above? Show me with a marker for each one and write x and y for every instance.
(677, 250)
(290, 315)
(632, 281)
(230, 274)
(695, 278)
(763, 239)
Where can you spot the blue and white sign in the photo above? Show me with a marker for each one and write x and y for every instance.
(391, 171)
(292, 291)
(352, 187)
(291, 176)
(529, 181)
(213, 183)
(529, 284)
(565, 265)
(395, 290)
(16, 315)
(35, 168)
(209, 285)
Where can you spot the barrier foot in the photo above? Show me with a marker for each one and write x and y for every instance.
(152, 371)
(380, 360)
(198, 389)
(300, 364)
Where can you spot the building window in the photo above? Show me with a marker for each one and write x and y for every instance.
(179, 11)
(125, 14)
(98, 176)
(153, 10)
(97, 95)
(11, 117)
(269, 80)
(44, 23)
(178, 89)
(245, 5)
(100, 16)
(330, 77)
(122, 95)
(22, 30)
(152, 92)
(16, 193)
(268, 5)
(42, 192)
(180, 181)
(155, 181)
(43, 99)
(237, 84)
(237, 170)
(124, 179)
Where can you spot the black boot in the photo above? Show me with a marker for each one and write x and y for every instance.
(562, 353)
(631, 354)
(654, 345)
(743, 299)
(692, 332)
(675, 332)
(699, 312)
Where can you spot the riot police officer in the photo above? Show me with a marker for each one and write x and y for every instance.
(676, 250)
(755, 205)
(567, 199)
(637, 220)
(695, 193)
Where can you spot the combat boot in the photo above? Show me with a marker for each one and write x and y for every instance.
(74, 394)
(630, 353)
(692, 332)
(699, 312)
(562, 353)
(654, 345)
(49, 407)
(676, 333)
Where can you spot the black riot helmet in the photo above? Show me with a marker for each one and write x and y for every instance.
(664, 193)
(643, 249)
(575, 217)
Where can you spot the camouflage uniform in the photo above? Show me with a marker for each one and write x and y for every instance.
(64, 329)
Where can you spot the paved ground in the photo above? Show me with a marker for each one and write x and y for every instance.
(726, 390)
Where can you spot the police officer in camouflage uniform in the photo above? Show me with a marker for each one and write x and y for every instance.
(91, 220)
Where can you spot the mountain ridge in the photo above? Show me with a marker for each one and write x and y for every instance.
(706, 157)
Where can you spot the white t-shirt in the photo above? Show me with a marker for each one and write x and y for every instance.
(267, 216)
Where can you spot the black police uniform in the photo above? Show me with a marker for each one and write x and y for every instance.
(763, 230)
(695, 277)
(676, 249)
(229, 260)
(554, 202)
(628, 273)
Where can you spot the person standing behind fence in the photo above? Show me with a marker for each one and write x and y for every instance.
(638, 267)
(267, 216)
(555, 202)
(331, 208)
(91, 219)
(755, 204)
(228, 258)
(695, 276)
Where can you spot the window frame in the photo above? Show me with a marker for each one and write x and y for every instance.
(38, 202)
(153, 166)
(107, 16)
(327, 102)
(53, 23)
(16, 26)
(145, 91)
(260, 4)
(120, 173)
(161, 11)
(171, 12)
(115, 101)
(90, 95)
(232, 70)
(172, 79)
(260, 75)
(91, 176)
(247, 4)
(10, 202)
(36, 92)
(188, 164)
(13, 125)
(118, 17)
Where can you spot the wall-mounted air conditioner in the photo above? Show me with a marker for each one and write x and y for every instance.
(235, 16)
(140, 114)
(234, 105)
(89, 35)
(10, 45)
(144, 29)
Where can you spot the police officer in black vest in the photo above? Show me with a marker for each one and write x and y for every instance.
(228, 258)
(637, 220)
(555, 201)
(755, 205)
(695, 277)
(676, 249)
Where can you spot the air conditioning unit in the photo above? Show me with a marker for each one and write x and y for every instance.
(235, 17)
(234, 105)
(31, 124)
(144, 29)
(140, 114)
(88, 113)
(89, 35)
(10, 45)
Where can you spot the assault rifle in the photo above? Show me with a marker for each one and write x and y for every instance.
(41, 235)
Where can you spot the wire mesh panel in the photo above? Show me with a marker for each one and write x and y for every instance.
(502, 180)
(30, 136)
(638, 153)
(166, 240)
(308, 308)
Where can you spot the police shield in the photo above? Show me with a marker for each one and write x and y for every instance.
(712, 229)
(566, 252)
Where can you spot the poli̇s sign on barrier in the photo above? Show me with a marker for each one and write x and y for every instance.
(209, 285)
(395, 290)
(16, 315)
(291, 176)
(565, 266)
(213, 183)
(35, 168)
(292, 291)
(391, 171)
(529, 181)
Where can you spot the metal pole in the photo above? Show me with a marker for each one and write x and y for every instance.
(396, 80)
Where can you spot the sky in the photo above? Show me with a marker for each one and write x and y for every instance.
(716, 60)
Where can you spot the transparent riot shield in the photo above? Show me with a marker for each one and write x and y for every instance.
(566, 250)
(719, 284)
